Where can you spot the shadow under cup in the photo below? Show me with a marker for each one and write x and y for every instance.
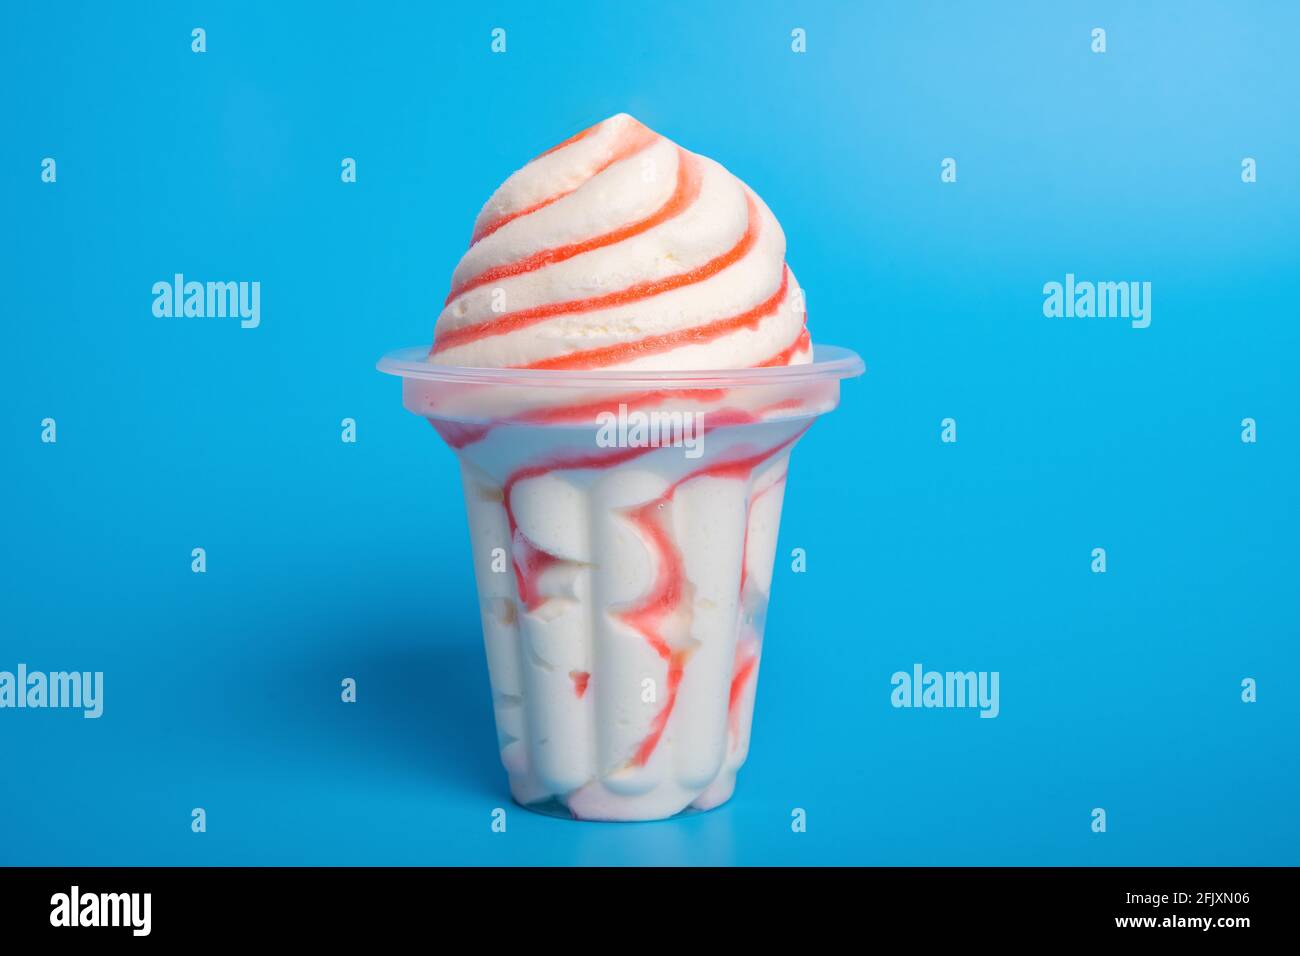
(624, 529)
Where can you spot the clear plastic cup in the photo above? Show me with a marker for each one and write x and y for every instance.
(624, 529)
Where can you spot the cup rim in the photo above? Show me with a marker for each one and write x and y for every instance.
(829, 362)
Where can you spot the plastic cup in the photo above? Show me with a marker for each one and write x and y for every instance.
(624, 529)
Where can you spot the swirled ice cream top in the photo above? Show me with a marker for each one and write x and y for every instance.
(618, 249)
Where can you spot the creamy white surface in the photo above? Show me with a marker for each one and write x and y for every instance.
(625, 192)
(579, 750)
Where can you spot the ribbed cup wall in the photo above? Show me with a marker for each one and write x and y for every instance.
(623, 607)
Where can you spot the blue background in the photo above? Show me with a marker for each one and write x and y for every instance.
(1118, 690)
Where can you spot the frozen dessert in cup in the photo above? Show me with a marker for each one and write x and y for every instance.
(622, 367)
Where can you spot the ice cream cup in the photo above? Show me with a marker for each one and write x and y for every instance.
(624, 529)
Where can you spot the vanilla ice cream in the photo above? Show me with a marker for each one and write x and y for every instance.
(620, 249)
(623, 590)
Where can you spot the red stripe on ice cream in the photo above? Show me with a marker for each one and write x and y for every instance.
(581, 134)
(685, 193)
(513, 321)
(800, 344)
(530, 561)
(589, 411)
(670, 580)
(739, 677)
(631, 141)
(457, 434)
(749, 516)
(653, 344)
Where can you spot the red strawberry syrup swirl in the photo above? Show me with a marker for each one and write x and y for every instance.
(665, 595)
